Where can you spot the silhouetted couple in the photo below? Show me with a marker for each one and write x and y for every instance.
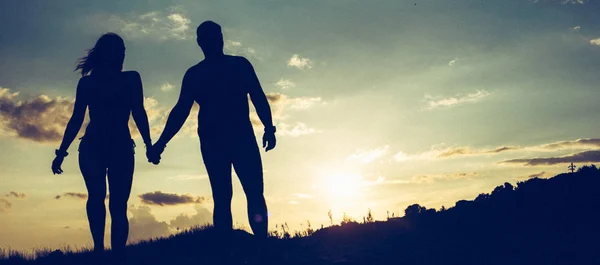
(220, 84)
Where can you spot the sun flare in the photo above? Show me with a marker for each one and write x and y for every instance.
(343, 186)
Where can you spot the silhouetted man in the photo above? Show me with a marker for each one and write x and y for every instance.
(221, 84)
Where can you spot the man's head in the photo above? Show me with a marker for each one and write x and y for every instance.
(210, 38)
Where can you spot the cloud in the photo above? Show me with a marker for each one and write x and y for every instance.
(464, 151)
(456, 100)
(542, 174)
(280, 105)
(302, 196)
(16, 195)
(143, 225)
(5, 205)
(502, 149)
(453, 62)
(441, 152)
(182, 221)
(456, 152)
(595, 42)
(189, 177)
(236, 48)
(425, 179)
(40, 119)
(170, 24)
(74, 195)
(564, 2)
(576, 28)
(428, 179)
(573, 144)
(166, 87)
(298, 129)
(161, 199)
(299, 62)
(303, 102)
(285, 84)
(368, 156)
(582, 157)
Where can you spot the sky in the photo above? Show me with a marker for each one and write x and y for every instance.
(378, 104)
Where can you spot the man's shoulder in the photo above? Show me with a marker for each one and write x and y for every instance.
(236, 59)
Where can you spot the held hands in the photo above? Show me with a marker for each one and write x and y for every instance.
(153, 153)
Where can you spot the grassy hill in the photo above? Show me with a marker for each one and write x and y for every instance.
(538, 221)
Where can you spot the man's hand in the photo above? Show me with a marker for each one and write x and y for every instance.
(269, 140)
(153, 153)
(56, 165)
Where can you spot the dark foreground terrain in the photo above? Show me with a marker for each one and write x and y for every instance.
(539, 221)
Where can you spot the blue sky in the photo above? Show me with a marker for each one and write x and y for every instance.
(379, 104)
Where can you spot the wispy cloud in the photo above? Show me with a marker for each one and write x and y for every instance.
(368, 156)
(285, 84)
(564, 2)
(74, 195)
(169, 24)
(573, 144)
(166, 87)
(441, 152)
(581, 157)
(236, 48)
(296, 130)
(5, 205)
(542, 174)
(161, 199)
(425, 179)
(457, 100)
(453, 62)
(299, 62)
(17, 195)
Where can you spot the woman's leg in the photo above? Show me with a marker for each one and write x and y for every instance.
(94, 174)
(120, 179)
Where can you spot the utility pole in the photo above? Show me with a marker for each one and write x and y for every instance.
(572, 167)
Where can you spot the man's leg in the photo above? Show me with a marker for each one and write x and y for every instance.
(248, 166)
(218, 167)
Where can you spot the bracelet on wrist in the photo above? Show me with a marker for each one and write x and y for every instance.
(270, 129)
(60, 153)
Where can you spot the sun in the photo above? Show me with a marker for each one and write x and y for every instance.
(343, 186)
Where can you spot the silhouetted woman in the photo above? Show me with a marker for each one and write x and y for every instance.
(106, 149)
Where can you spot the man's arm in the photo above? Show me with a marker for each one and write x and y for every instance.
(261, 104)
(178, 114)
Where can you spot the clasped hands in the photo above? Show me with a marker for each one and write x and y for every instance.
(153, 152)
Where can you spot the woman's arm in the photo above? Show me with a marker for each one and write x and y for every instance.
(73, 127)
(74, 124)
(138, 111)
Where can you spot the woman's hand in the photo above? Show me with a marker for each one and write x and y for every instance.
(56, 165)
(153, 154)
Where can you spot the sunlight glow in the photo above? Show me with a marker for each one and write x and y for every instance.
(342, 186)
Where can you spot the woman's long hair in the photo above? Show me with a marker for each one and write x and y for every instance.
(107, 56)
